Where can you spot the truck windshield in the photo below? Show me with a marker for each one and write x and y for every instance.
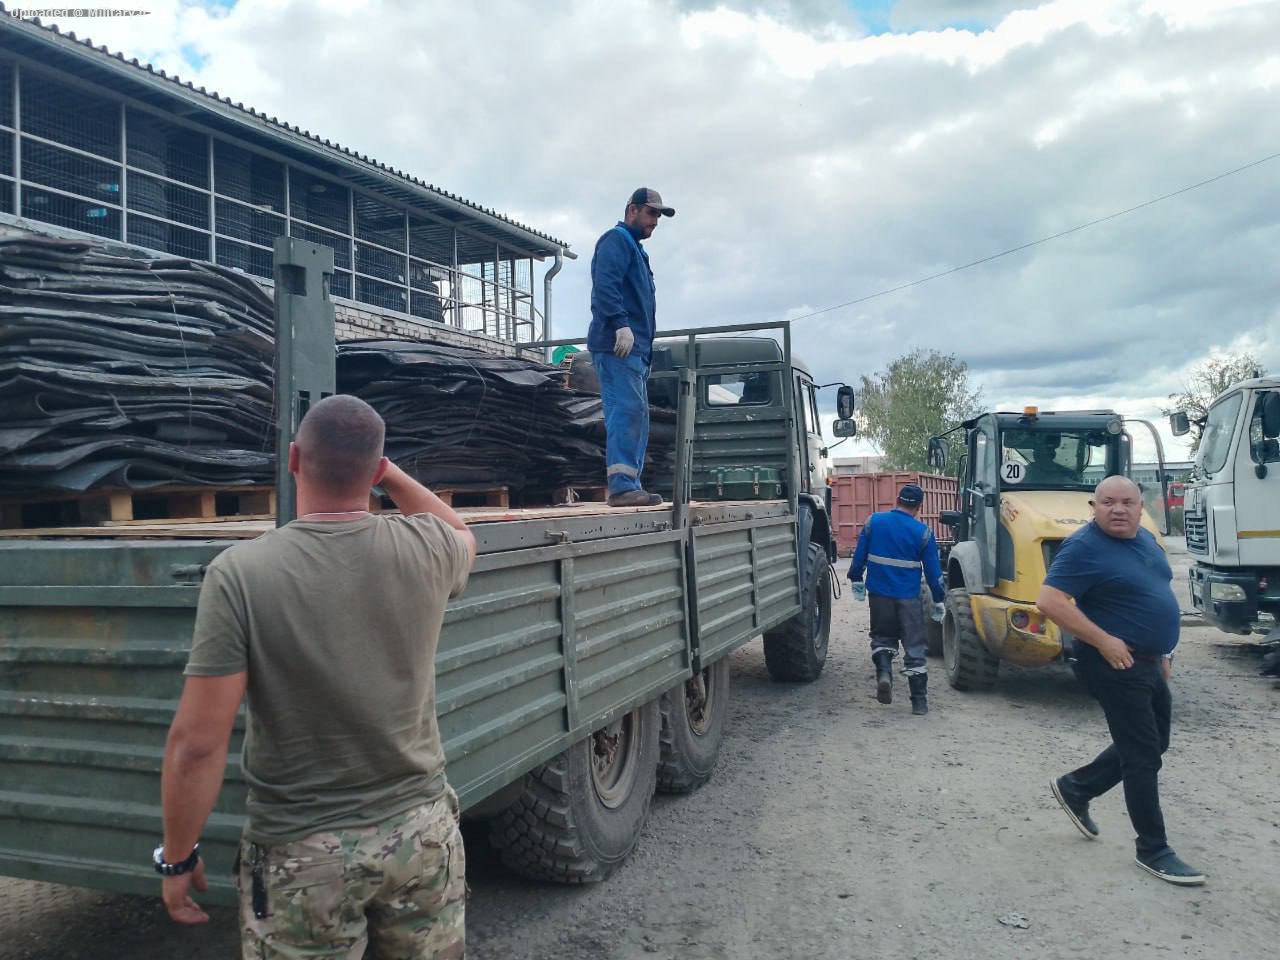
(1215, 438)
(1053, 459)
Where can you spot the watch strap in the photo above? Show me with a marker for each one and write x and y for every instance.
(174, 869)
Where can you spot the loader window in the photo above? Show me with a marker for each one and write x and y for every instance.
(1215, 438)
(1043, 459)
(1261, 448)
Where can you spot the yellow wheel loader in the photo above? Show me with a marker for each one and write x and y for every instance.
(1026, 480)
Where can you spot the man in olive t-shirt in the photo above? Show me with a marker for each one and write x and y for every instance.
(330, 625)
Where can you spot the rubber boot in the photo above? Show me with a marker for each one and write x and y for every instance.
(883, 660)
(919, 683)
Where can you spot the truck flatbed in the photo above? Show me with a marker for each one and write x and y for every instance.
(247, 529)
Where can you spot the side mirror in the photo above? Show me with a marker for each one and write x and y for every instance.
(1271, 416)
(1179, 423)
(844, 404)
(950, 518)
(937, 454)
(845, 428)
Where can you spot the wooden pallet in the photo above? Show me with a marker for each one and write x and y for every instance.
(157, 505)
(474, 495)
(592, 493)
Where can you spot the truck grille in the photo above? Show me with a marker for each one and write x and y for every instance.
(1196, 531)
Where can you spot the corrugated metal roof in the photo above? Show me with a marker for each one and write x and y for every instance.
(54, 48)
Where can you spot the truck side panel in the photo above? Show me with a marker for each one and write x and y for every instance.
(745, 581)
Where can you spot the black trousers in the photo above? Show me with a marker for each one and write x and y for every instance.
(1137, 705)
(895, 621)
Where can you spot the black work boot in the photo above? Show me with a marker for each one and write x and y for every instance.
(919, 684)
(883, 660)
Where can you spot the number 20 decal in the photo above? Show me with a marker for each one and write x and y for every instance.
(1013, 472)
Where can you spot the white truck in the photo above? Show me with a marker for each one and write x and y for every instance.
(1232, 509)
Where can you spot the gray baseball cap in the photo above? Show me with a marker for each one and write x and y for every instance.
(646, 197)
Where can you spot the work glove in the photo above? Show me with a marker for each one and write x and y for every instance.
(623, 341)
(938, 613)
(859, 591)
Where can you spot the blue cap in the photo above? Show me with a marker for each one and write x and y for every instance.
(911, 495)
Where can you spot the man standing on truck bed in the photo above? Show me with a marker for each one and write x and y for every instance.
(620, 338)
(1109, 587)
(331, 625)
(893, 548)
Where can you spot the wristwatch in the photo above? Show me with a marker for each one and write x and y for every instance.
(174, 869)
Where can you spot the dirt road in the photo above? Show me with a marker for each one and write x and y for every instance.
(837, 828)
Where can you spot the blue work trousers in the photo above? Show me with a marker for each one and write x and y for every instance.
(624, 391)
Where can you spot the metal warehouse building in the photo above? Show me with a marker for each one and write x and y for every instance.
(95, 144)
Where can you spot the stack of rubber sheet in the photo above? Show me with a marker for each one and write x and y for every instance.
(455, 415)
(125, 369)
(122, 369)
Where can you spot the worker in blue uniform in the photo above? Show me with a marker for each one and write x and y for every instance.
(620, 338)
(893, 548)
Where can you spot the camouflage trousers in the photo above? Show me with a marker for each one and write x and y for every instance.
(398, 888)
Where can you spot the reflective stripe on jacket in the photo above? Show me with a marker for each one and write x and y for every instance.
(893, 548)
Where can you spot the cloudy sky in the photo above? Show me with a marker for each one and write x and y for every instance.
(820, 152)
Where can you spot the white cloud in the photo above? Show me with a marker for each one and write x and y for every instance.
(812, 164)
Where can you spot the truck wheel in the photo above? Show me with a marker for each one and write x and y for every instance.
(969, 665)
(692, 728)
(580, 813)
(932, 631)
(797, 650)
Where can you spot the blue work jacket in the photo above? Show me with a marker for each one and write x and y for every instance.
(893, 548)
(622, 292)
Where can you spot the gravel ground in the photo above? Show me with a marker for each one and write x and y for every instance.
(837, 827)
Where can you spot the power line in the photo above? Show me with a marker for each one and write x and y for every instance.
(1034, 243)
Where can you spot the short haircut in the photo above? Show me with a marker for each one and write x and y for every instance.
(340, 443)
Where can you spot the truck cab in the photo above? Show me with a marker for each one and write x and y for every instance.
(1232, 509)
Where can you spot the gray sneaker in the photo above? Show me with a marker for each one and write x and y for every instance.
(634, 498)
(1168, 866)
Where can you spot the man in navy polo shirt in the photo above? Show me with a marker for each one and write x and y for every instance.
(1109, 587)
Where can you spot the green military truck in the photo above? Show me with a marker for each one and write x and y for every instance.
(585, 666)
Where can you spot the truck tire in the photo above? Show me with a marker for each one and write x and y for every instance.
(692, 728)
(797, 650)
(580, 813)
(969, 665)
(932, 631)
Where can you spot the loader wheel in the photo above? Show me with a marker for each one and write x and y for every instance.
(580, 813)
(969, 665)
(692, 728)
(932, 631)
(797, 650)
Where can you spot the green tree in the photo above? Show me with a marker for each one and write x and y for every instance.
(917, 396)
(1207, 380)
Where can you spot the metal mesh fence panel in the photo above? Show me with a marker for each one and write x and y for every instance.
(68, 115)
(241, 256)
(167, 200)
(341, 245)
(72, 212)
(245, 223)
(380, 264)
(168, 237)
(319, 202)
(169, 150)
(432, 241)
(247, 176)
(381, 294)
(378, 223)
(72, 172)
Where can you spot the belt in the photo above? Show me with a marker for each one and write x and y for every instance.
(1147, 657)
(894, 562)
